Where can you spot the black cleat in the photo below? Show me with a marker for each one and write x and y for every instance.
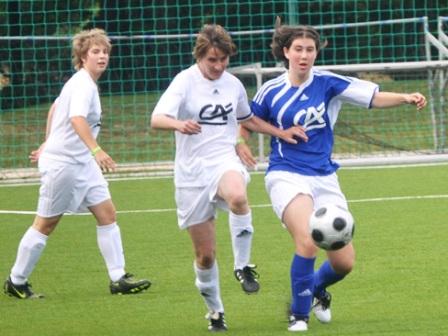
(217, 321)
(20, 291)
(248, 279)
(127, 285)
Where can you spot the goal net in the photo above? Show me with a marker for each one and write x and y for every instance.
(151, 42)
(385, 136)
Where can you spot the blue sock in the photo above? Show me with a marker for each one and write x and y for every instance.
(302, 284)
(325, 276)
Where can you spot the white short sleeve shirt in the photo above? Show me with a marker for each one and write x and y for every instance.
(218, 105)
(79, 97)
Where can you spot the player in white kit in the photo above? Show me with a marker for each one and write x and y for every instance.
(204, 105)
(301, 177)
(70, 163)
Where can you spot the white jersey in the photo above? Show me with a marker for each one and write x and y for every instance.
(218, 105)
(79, 97)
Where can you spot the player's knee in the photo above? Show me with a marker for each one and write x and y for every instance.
(205, 260)
(343, 266)
(238, 202)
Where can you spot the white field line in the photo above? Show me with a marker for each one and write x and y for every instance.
(379, 199)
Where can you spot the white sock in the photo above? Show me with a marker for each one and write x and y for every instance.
(241, 230)
(30, 248)
(111, 247)
(207, 282)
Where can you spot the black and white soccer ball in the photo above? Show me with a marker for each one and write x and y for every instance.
(331, 227)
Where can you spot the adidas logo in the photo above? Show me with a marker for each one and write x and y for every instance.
(306, 292)
(304, 97)
(216, 92)
(244, 233)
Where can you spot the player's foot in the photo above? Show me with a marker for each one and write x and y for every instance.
(217, 321)
(248, 279)
(321, 307)
(20, 291)
(298, 323)
(128, 285)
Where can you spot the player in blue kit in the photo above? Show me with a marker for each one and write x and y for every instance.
(302, 177)
(203, 105)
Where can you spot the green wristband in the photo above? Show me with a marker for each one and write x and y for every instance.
(96, 150)
(240, 140)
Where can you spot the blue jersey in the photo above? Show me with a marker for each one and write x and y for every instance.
(315, 105)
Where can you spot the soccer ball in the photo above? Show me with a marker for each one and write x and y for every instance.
(331, 227)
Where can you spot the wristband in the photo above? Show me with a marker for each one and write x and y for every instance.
(96, 150)
(240, 140)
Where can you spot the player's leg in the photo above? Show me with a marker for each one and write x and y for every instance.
(93, 192)
(54, 200)
(340, 262)
(333, 270)
(293, 205)
(29, 251)
(232, 188)
(111, 247)
(295, 218)
(203, 237)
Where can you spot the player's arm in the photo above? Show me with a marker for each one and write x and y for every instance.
(165, 122)
(242, 149)
(391, 99)
(34, 156)
(49, 120)
(82, 128)
(256, 124)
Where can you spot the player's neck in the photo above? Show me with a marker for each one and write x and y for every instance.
(297, 79)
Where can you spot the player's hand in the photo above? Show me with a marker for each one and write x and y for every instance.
(245, 154)
(294, 131)
(416, 99)
(190, 127)
(104, 161)
(34, 156)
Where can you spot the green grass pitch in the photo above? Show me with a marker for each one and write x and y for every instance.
(397, 287)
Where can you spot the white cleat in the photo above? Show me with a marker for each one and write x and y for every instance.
(321, 307)
(298, 323)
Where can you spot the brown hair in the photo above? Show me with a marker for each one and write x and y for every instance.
(84, 40)
(213, 36)
(284, 35)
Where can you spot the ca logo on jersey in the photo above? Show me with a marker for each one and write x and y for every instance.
(215, 114)
(312, 117)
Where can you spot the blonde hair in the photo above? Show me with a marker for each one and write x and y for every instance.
(284, 35)
(213, 36)
(84, 40)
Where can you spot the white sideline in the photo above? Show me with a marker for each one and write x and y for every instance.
(379, 199)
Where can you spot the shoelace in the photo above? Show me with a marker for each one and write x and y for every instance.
(250, 273)
(324, 302)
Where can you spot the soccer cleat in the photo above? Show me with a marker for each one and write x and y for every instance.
(321, 307)
(298, 323)
(20, 291)
(248, 279)
(217, 321)
(127, 285)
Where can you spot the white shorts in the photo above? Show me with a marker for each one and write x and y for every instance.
(70, 188)
(283, 186)
(195, 205)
